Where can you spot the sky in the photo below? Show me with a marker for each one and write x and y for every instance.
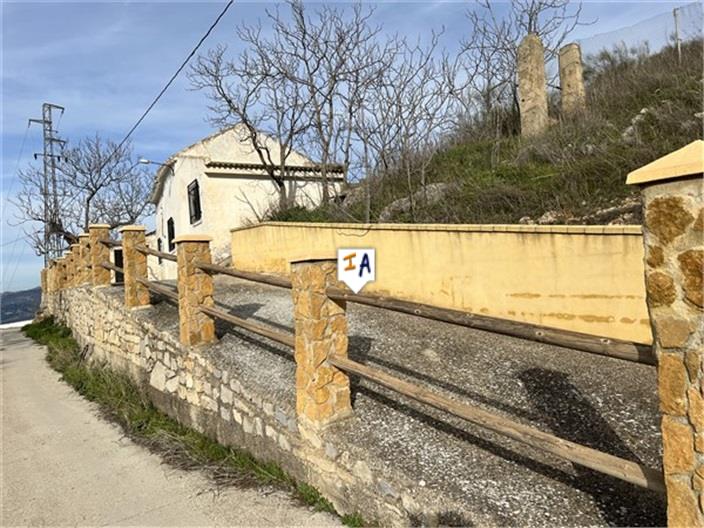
(106, 61)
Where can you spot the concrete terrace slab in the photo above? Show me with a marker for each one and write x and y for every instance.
(477, 477)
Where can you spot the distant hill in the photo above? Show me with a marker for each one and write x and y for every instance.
(19, 305)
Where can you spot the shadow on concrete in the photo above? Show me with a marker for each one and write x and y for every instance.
(562, 410)
(569, 414)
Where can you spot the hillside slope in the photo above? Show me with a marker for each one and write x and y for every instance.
(19, 305)
(640, 107)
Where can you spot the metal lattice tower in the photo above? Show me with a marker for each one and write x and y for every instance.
(53, 244)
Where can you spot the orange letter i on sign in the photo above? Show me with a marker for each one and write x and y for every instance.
(349, 258)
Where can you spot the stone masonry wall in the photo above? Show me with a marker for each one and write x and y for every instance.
(674, 258)
(189, 384)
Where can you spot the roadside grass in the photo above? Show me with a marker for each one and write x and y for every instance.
(123, 402)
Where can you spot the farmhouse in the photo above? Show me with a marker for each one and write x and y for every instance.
(220, 183)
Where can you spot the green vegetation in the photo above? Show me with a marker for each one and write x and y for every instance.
(123, 402)
(576, 168)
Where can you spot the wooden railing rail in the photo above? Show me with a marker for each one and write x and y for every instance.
(111, 266)
(271, 280)
(110, 242)
(149, 251)
(587, 343)
(160, 289)
(604, 346)
(256, 328)
(585, 456)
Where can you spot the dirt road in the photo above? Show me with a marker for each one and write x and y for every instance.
(64, 465)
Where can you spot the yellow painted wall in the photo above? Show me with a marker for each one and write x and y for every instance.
(582, 278)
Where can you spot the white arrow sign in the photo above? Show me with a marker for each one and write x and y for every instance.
(356, 267)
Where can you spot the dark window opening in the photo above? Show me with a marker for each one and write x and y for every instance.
(119, 262)
(194, 201)
(171, 233)
(159, 248)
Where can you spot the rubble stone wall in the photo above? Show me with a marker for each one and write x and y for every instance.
(190, 385)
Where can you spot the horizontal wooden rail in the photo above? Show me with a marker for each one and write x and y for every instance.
(585, 456)
(149, 251)
(158, 288)
(256, 328)
(588, 343)
(271, 280)
(110, 242)
(111, 266)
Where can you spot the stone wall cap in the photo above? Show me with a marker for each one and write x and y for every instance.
(132, 228)
(193, 238)
(532, 229)
(313, 256)
(83, 235)
(99, 226)
(687, 161)
(75, 246)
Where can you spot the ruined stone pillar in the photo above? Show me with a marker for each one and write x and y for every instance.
(135, 266)
(573, 98)
(673, 202)
(84, 263)
(195, 288)
(99, 253)
(532, 91)
(322, 390)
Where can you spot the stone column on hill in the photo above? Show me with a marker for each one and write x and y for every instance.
(673, 231)
(573, 98)
(322, 390)
(532, 90)
(135, 266)
(99, 253)
(195, 288)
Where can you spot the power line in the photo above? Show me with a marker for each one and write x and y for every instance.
(172, 79)
(11, 241)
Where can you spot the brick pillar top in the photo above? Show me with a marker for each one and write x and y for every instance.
(685, 162)
(673, 234)
(193, 238)
(132, 228)
(99, 226)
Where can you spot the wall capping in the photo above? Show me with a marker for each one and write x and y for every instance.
(635, 230)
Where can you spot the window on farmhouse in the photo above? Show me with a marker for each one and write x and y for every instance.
(171, 234)
(194, 201)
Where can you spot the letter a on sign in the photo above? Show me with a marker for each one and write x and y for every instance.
(356, 267)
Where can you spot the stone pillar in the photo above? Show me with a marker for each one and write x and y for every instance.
(673, 232)
(59, 284)
(532, 91)
(43, 278)
(322, 391)
(73, 264)
(84, 262)
(135, 265)
(573, 98)
(195, 287)
(99, 253)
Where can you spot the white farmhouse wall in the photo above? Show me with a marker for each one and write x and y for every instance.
(228, 200)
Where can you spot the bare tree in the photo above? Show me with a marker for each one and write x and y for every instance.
(97, 183)
(406, 114)
(301, 85)
(249, 92)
